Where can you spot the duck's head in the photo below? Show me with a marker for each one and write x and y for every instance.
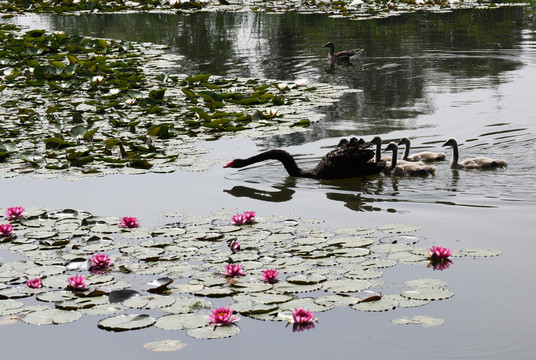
(329, 45)
(404, 141)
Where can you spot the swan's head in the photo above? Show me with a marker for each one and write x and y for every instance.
(343, 142)
(329, 45)
(376, 140)
(451, 142)
(404, 141)
(232, 164)
(392, 146)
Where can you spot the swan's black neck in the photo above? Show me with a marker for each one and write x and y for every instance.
(284, 157)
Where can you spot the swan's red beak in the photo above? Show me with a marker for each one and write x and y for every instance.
(229, 164)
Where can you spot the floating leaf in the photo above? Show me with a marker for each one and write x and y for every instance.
(345, 285)
(164, 345)
(424, 321)
(51, 317)
(398, 228)
(427, 294)
(217, 332)
(180, 322)
(126, 322)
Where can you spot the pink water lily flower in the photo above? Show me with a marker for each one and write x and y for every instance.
(234, 245)
(222, 316)
(270, 276)
(34, 283)
(238, 219)
(233, 270)
(129, 222)
(101, 260)
(250, 216)
(14, 213)
(6, 230)
(303, 316)
(439, 253)
(78, 282)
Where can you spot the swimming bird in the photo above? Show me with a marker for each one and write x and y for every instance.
(407, 168)
(472, 163)
(345, 55)
(349, 159)
(425, 156)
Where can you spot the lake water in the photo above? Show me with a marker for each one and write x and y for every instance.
(467, 74)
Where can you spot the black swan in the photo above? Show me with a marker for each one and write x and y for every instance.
(425, 156)
(345, 55)
(349, 159)
(407, 168)
(473, 163)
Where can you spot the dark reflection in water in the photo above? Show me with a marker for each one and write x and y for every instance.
(409, 61)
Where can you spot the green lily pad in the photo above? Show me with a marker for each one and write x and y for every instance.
(164, 345)
(345, 285)
(424, 321)
(183, 305)
(384, 304)
(427, 294)
(306, 279)
(217, 332)
(126, 322)
(478, 252)
(180, 322)
(9, 307)
(425, 283)
(149, 302)
(51, 317)
(398, 228)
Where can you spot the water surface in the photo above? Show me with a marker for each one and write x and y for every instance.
(467, 74)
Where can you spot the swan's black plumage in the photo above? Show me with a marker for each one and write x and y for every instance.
(349, 159)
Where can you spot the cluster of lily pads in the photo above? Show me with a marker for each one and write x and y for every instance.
(81, 106)
(351, 9)
(171, 276)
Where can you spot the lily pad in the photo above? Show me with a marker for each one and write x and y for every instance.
(126, 322)
(398, 228)
(427, 294)
(51, 317)
(216, 332)
(424, 321)
(180, 322)
(164, 345)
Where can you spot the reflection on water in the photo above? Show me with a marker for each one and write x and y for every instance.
(467, 74)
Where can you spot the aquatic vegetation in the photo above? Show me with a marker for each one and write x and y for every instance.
(129, 222)
(234, 245)
(14, 213)
(6, 230)
(302, 316)
(86, 107)
(238, 219)
(439, 253)
(78, 282)
(233, 270)
(323, 269)
(270, 276)
(222, 316)
(101, 260)
(34, 283)
(350, 9)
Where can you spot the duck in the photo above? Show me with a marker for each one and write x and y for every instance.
(345, 55)
(426, 156)
(472, 163)
(407, 168)
(349, 159)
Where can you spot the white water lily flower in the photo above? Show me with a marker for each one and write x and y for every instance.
(131, 101)
(98, 79)
(114, 91)
(301, 82)
(8, 72)
(282, 86)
